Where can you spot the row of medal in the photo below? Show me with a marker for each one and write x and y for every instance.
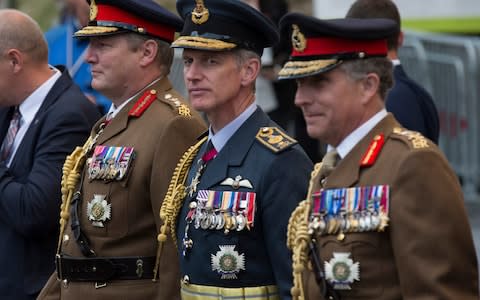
(345, 210)
(109, 162)
(223, 210)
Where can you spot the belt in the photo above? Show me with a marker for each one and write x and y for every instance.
(203, 292)
(103, 269)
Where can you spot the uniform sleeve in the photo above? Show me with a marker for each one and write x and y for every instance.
(431, 236)
(285, 186)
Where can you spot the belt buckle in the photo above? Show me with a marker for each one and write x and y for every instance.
(99, 285)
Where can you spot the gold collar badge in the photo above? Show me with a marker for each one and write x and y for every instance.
(93, 10)
(299, 42)
(200, 13)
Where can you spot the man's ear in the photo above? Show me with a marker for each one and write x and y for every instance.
(149, 52)
(16, 59)
(370, 86)
(250, 71)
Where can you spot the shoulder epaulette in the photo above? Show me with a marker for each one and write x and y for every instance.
(413, 138)
(182, 108)
(143, 103)
(373, 150)
(274, 139)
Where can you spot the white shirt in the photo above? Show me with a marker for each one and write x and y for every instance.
(220, 138)
(29, 108)
(358, 134)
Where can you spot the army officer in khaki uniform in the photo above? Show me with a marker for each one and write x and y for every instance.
(114, 186)
(384, 217)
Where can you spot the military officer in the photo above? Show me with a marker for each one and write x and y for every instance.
(384, 217)
(114, 186)
(233, 192)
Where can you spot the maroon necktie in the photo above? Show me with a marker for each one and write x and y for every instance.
(7, 145)
(210, 153)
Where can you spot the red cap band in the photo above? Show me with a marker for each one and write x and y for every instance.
(334, 45)
(114, 14)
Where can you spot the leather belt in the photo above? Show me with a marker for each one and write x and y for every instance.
(103, 269)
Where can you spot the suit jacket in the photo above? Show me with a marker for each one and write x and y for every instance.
(159, 136)
(413, 106)
(30, 188)
(278, 179)
(428, 241)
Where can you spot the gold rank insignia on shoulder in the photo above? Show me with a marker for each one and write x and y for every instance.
(183, 109)
(299, 42)
(93, 10)
(200, 13)
(418, 141)
(274, 139)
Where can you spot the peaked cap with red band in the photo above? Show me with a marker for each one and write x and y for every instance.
(321, 45)
(144, 17)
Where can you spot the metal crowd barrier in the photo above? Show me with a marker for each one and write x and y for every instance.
(448, 67)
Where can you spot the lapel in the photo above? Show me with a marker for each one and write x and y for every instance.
(64, 82)
(234, 151)
(347, 172)
(5, 116)
(120, 122)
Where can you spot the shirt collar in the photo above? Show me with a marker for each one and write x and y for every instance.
(220, 138)
(32, 103)
(358, 134)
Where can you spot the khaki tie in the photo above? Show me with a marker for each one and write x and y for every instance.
(329, 162)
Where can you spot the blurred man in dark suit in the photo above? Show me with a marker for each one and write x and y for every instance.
(410, 103)
(43, 116)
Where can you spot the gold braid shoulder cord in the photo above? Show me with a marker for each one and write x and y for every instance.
(298, 236)
(173, 201)
(72, 169)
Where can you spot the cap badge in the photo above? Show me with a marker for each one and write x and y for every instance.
(341, 271)
(299, 42)
(200, 13)
(228, 262)
(99, 210)
(93, 10)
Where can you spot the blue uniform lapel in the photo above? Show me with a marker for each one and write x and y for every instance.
(235, 150)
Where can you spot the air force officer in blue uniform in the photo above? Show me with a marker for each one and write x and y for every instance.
(233, 192)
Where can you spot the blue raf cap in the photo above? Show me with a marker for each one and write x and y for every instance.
(320, 45)
(219, 25)
(144, 17)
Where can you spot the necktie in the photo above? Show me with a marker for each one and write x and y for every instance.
(210, 153)
(108, 118)
(7, 145)
(329, 162)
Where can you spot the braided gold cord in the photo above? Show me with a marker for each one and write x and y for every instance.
(71, 173)
(298, 237)
(173, 201)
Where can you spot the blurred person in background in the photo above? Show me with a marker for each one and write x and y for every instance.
(64, 49)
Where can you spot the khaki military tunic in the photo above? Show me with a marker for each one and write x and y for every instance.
(426, 251)
(159, 133)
